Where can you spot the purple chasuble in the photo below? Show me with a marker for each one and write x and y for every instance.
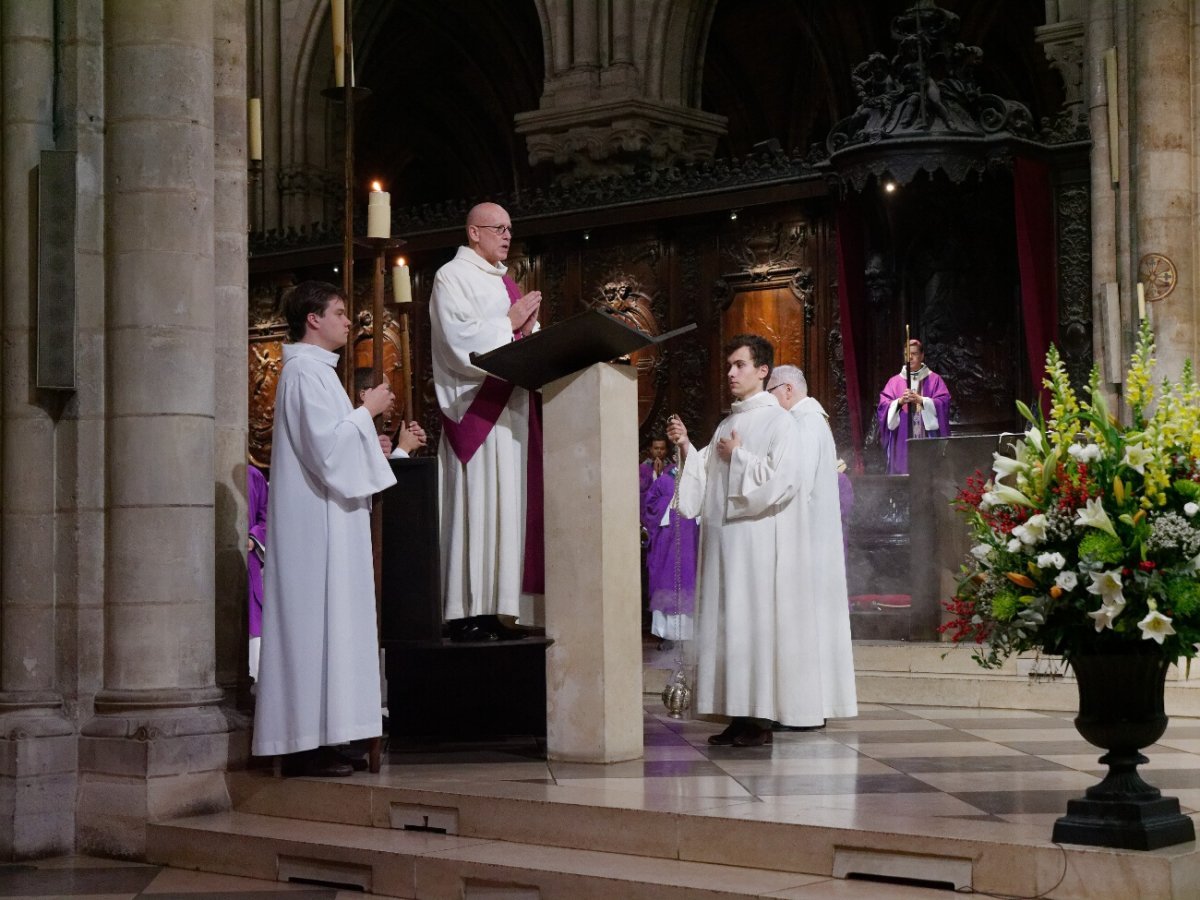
(895, 443)
(256, 506)
(661, 555)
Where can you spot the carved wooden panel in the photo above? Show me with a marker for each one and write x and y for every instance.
(265, 359)
(624, 277)
(394, 371)
(771, 311)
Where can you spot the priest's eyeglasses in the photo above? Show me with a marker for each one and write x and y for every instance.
(499, 229)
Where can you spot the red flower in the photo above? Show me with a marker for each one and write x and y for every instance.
(1146, 565)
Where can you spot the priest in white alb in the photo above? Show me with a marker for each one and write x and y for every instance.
(318, 682)
(490, 451)
(756, 654)
(822, 549)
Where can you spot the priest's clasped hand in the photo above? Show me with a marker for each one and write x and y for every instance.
(410, 437)
(524, 312)
(726, 446)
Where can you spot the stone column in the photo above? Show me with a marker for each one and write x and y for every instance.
(36, 743)
(27, 672)
(593, 589)
(1161, 137)
(230, 260)
(1106, 191)
(158, 746)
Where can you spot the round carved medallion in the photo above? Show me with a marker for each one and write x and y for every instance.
(1158, 273)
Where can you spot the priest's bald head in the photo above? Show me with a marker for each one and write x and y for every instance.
(489, 232)
(788, 385)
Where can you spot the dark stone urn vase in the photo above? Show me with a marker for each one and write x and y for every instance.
(1121, 711)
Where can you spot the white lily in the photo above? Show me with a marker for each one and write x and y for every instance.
(981, 552)
(1108, 586)
(1051, 560)
(1104, 617)
(1034, 436)
(1014, 545)
(1035, 527)
(1067, 580)
(1005, 494)
(1155, 626)
(987, 501)
(1136, 458)
(1093, 515)
(1006, 465)
(1084, 452)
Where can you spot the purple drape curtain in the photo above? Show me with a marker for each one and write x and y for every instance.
(1037, 256)
(851, 297)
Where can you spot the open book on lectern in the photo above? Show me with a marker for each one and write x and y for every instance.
(568, 346)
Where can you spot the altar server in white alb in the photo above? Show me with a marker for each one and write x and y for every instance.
(318, 681)
(490, 451)
(756, 645)
(823, 560)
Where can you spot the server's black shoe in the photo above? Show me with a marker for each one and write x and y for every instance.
(469, 631)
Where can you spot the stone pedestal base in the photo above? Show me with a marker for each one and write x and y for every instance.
(593, 585)
(37, 786)
(1129, 825)
(134, 770)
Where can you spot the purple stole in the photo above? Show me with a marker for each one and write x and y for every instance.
(467, 436)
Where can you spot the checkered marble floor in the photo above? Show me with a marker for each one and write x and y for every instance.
(986, 770)
(1012, 766)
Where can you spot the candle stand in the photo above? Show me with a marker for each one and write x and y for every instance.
(380, 247)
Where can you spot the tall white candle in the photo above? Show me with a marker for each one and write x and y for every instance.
(401, 282)
(255, 134)
(1141, 292)
(337, 18)
(379, 212)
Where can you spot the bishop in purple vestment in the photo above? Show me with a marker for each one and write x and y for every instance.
(928, 397)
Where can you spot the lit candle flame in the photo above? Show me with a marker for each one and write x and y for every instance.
(399, 260)
(376, 186)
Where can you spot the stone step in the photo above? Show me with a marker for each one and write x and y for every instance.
(940, 674)
(397, 863)
(648, 832)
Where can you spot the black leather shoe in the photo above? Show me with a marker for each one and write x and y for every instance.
(319, 763)
(466, 631)
(357, 761)
(493, 625)
(779, 726)
(754, 736)
(727, 737)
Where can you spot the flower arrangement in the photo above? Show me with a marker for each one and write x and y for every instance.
(1087, 538)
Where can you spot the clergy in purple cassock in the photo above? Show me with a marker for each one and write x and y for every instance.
(672, 538)
(895, 401)
(256, 552)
